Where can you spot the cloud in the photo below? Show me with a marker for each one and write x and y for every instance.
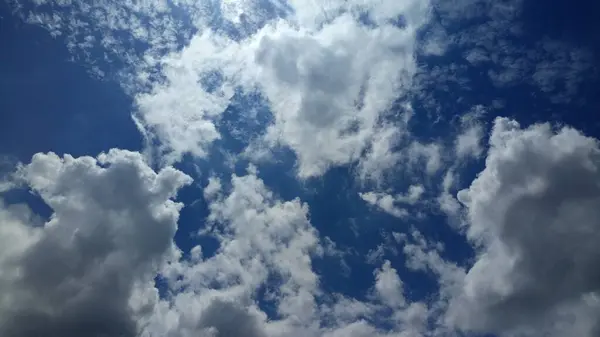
(331, 97)
(226, 319)
(503, 48)
(330, 74)
(389, 287)
(338, 80)
(264, 243)
(385, 202)
(130, 36)
(427, 153)
(277, 232)
(327, 91)
(265, 255)
(180, 113)
(424, 255)
(213, 188)
(446, 201)
(111, 228)
(388, 203)
(563, 71)
(468, 142)
(532, 213)
(381, 158)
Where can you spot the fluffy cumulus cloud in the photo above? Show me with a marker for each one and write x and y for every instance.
(78, 273)
(531, 216)
(329, 87)
(90, 267)
(533, 213)
(267, 246)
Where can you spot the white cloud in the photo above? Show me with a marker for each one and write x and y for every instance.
(468, 143)
(267, 243)
(435, 42)
(425, 256)
(382, 156)
(213, 188)
(132, 34)
(476, 56)
(533, 213)
(427, 153)
(413, 195)
(328, 88)
(389, 203)
(446, 200)
(330, 78)
(331, 74)
(277, 232)
(388, 286)
(384, 201)
(111, 229)
(467, 146)
(496, 44)
(181, 112)
(264, 242)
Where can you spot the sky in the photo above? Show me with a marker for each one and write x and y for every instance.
(266, 168)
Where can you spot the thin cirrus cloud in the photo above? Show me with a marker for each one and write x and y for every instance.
(347, 85)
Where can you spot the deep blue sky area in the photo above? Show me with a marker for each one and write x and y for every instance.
(574, 25)
(50, 103)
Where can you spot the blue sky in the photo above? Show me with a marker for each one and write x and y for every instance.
(281, 168)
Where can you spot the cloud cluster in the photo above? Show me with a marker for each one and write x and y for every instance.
(532, 213)
(90, 267)
(110, 231)
(329, 88)
(340, 81)
(264, 259)
(330, 75)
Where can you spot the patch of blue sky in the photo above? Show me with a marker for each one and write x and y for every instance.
(51, 104)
